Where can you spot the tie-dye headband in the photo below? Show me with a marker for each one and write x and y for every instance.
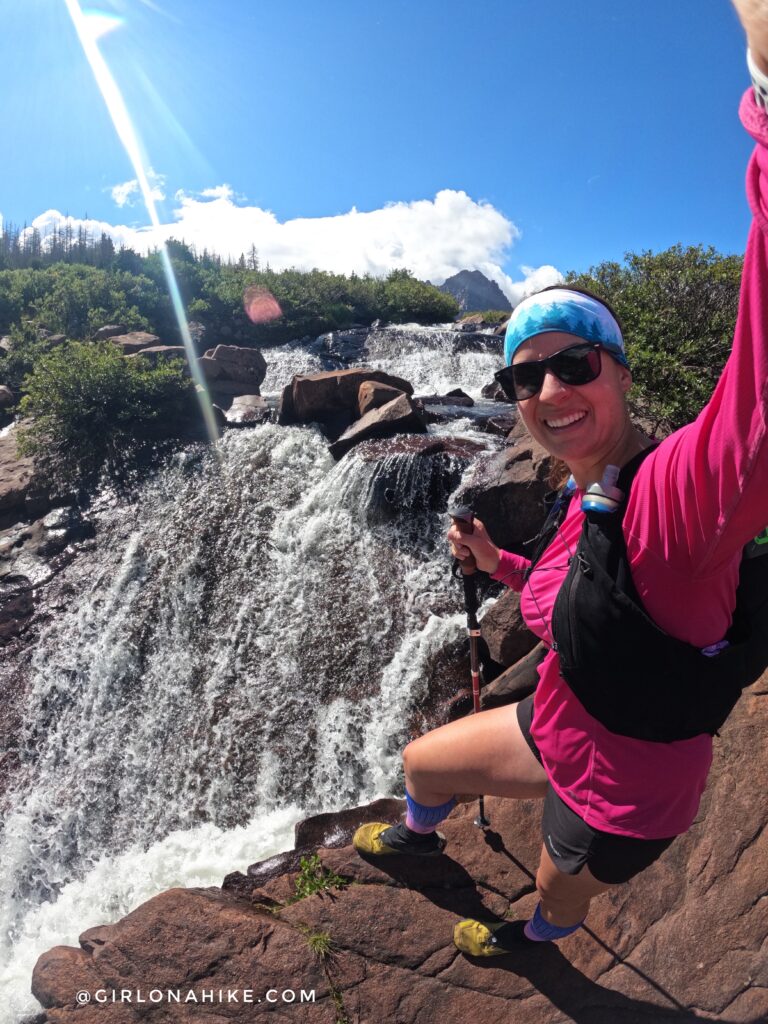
(559, 309)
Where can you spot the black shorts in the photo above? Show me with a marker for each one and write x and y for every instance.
(572, 843)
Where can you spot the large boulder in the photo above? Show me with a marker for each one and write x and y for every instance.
(247, 410)
(318, 396)
(6, 397)
(234, 363)
(111, 331)
(506, 490)
(396, 417)
(683, 941)
(134, 341)
(372, 395)
(516, 682)
(503, 629)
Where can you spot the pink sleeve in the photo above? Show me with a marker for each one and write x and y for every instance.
(704, 492)
(511, 570)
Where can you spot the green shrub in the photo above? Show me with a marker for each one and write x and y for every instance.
(678, 309)
(90, 411)
(313, 878)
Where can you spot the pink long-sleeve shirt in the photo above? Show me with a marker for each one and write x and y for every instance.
(695, 502)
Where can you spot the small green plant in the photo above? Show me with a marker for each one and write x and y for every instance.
(321, 944)
(313, 878)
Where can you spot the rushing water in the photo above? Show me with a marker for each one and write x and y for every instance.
(240, 650)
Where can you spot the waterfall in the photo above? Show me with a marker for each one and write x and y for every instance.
(241, 649)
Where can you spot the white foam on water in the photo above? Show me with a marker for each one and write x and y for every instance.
(116, 885)
(262, 624)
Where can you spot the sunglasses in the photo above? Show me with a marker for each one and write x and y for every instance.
(576, 365)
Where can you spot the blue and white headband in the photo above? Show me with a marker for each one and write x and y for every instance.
(559, 309)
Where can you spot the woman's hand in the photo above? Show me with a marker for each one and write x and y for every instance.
(477, 543)
(754, 18)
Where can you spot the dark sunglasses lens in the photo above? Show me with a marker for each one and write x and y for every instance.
(578, 365)
(504, 378)
(527, 379)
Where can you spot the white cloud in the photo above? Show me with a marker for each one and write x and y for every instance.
(434, 238)
(128, 192)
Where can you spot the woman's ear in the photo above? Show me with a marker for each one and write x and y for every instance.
(625, 378)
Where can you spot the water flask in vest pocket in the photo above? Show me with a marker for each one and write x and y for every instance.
(758, 546)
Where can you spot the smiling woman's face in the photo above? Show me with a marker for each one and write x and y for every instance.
(578, 424)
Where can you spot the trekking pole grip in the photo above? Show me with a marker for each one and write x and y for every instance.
(463, 520)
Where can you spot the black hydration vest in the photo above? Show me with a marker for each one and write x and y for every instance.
(626, 671)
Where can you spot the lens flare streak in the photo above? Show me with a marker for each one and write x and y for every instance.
(90, 28)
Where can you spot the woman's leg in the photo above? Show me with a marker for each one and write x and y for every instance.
(483, 753)
(565, 898)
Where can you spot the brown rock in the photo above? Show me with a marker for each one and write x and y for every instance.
(227, 944)
(459, 448)
(372, 395)
(681, 942)
(503, 629)
(210, 369)
(317, 395)
(507, 489)
(235, 363)
(6, 397)
(494, 392)
(286, 413)
(134, 341)
(227, 389)
(338, 827)
(517, 682)
(60, 973)
(247, 410)
(501, 426)
(396, 417)
(16, 605)
(16, 474)
(113, 331)
(92, 938)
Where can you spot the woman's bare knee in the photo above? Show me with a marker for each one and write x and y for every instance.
(565, 898)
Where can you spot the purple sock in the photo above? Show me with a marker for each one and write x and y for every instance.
(539, 930)
(422, 819)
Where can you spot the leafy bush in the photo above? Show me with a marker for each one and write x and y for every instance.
(313, 878)
(89, 411)
(678, 309)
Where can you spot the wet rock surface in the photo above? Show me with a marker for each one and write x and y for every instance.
(396, 417)
(505, 633)
(247, 410)
(682, 942)
(16, 475)
(507, 489)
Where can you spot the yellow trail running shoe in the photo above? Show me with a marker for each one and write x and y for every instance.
(479, 938)
(377, 839)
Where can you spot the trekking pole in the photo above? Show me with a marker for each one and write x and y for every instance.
(463, 519)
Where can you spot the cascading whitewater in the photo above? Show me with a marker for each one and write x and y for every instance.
(241, 649)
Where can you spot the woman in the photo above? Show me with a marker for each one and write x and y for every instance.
(612, 802)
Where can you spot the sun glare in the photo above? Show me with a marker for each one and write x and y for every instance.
(90, 27)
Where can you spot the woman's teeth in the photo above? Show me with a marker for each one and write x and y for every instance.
(566, 421)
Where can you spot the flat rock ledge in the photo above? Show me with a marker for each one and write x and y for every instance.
(683, 942)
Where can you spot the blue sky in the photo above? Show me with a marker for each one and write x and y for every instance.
(555, 133)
